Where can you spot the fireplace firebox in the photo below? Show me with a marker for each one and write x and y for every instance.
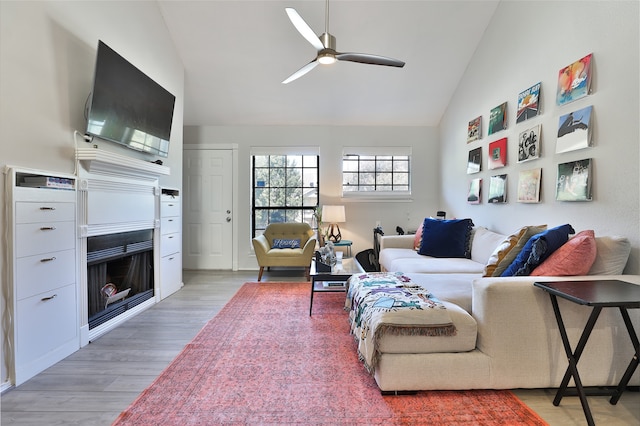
(119, 273)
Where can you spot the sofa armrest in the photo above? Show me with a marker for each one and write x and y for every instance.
(260, 245)
(309, 247)
(517, 328)
(396, 241)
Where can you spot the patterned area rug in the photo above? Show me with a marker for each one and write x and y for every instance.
(264, 360)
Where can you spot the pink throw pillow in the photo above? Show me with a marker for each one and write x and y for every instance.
(574, 257)
(417, 240)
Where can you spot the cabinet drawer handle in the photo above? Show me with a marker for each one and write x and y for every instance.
(45, 299)
(49, 259)
(47, 228)
(47, 208)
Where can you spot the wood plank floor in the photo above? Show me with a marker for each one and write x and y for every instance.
(92, 386)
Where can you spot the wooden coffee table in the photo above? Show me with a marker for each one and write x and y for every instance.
(335, 280)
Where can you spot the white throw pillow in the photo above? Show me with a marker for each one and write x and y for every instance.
(613, 253)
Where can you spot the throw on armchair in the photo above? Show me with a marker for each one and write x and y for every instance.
(285, 244)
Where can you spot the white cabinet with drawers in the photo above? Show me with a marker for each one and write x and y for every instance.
(43, 293)
(170, 242)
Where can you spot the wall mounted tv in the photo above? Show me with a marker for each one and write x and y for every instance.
(128, 107)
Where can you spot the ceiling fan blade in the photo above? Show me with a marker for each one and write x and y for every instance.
(303, 28)
(365, 58)
(302, 71)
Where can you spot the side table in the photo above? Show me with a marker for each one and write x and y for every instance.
(597, 294)
(344, 243)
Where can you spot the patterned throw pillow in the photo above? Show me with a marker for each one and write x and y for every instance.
(282, 243)
(575, 257)
(502, 250)
(446, 238)
(530, 231)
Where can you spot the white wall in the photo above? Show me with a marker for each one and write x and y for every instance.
(361, 216)
(47, 57)
(528, 42)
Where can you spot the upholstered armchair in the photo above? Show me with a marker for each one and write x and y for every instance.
(285, 244)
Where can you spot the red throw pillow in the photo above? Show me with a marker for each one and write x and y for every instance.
(574, 257)
(417, 240)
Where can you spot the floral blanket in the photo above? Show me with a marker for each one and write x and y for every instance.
(388, 302)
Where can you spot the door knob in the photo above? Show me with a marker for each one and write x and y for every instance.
(228, 211)
(228, 219)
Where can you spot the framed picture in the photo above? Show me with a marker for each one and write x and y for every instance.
(574, 81)
(529, 144)
(498, 154)
(475, 191)
(529, 186)
(528, 103)
(474, 163)
(498, 189)
(574, 181)
(474, 130)
(498, 118)
(574, 130)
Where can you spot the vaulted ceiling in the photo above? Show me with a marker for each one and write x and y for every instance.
(237, 53)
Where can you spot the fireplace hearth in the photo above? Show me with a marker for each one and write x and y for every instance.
(119, 273)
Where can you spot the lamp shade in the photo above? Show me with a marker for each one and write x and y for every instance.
(333, 214)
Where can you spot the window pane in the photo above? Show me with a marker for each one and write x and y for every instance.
(294, 177)
(310, 161)
(375, 173)
(384, 178)
(350, 178)
(294, 161)
(277, 160)
(401, 179)
(367, 166)
(367, 178)
(349, 166)
(277, 216)
(309, 177)
(294, 197)
(261, 219)
(294, 215)
(261, 160)
(310, 197)
(277, 177)
(349, 188)
(384, 166)
(262, 197)
(401, 166)
(262, 177)
(277, 197)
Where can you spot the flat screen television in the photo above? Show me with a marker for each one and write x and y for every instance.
(128, 107)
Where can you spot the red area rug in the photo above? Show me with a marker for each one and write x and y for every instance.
(263, 360)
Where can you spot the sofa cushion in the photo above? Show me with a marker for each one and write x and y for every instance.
(446, 238)
(612, 255)
(483, 243)
(286, 243)
(463, 341)
(575, 257)
(537, 249)
(509, 257)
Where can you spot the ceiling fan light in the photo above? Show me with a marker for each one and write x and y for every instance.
(326, 59)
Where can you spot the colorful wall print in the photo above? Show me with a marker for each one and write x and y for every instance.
(529, 144)
(529, 186)
(498, 154)
(475, 191)
(574, 130)
(528, 103)
(474, 163)
(574, 81)
(498, 189)
(574, 181)
(474, 130)
(498, 118)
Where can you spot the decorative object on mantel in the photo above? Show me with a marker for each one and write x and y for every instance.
(334, 215)
(574, 81)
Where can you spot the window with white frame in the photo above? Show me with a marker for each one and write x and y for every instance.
(376, 172)
(285, 186)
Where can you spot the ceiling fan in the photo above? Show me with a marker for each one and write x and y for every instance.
(325, 44)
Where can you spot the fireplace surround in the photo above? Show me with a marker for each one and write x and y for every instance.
(118, 231)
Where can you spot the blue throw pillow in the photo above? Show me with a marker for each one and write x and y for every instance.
(285, 243)
(537, 249)
(446, 238)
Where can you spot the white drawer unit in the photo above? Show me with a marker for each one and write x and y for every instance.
(43, 292)
(170, 242)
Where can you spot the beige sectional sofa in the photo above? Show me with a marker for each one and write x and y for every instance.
(507, 334)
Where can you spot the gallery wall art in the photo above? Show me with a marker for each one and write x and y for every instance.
(498, 118)
(574, 130)
(529, 144)
(528, 103)
(574, 181)
(574, 81)
(497, 154)
(474, 130)
(529, 186)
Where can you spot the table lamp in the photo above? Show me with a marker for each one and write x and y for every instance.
(333, 215)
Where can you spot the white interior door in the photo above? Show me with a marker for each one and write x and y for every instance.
(208, 215)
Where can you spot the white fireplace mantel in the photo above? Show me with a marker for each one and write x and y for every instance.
(102, 162)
